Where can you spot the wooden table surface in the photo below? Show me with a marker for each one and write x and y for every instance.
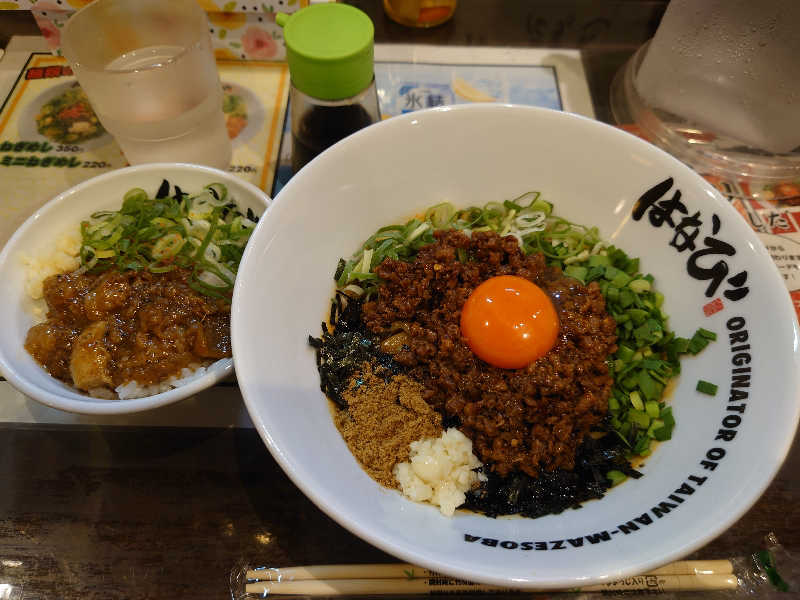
(168, 512)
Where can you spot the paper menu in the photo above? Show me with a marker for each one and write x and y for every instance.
(777, 223)
(50, 139)
(255, 105)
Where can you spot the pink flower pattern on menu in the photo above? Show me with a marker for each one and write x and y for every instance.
(258, 44)
(238, 32)
(50, 32)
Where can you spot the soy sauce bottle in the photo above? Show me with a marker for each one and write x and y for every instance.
(329, 48)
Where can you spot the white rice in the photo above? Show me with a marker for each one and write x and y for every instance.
(64, 259)
(441, 471)
(188, 374)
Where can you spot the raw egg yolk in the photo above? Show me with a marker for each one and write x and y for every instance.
(509, 322)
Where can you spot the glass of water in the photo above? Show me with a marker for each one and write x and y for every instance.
(148, 69)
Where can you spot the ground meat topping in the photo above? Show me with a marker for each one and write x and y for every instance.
(525, 419)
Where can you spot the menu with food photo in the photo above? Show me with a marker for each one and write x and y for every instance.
(254, 102)
(51, 139)
(773, 211)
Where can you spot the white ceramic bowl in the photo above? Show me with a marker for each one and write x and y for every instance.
(695, 486)
(36, 237)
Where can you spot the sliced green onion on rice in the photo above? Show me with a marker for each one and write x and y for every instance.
(205, 232)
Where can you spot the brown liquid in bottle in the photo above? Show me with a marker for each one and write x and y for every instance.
(321, 127)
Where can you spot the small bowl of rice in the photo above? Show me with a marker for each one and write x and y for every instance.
(51, 245)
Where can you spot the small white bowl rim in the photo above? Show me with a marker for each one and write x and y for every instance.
(132, 405)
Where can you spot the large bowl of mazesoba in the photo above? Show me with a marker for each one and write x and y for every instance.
(456, 327)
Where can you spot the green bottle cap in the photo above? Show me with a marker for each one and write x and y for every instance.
(329, 50)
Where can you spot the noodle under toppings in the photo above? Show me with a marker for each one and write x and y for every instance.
(546, 348)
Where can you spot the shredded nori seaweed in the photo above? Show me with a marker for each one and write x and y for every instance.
(449, 421)
(553, 492)
(344, 351)
(163, 190)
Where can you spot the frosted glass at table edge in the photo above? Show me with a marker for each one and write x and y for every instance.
(149, 71)
(729, 66)
(163, 103)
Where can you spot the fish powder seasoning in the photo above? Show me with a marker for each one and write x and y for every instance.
(382, 418)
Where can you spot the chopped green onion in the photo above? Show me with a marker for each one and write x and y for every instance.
(220, 191)
(599, 260)
(166, 247)
(636, 400)
(576, 272)
(652, 409)
(639, 418)
(705, 387)
(205, 233)
(616, 477)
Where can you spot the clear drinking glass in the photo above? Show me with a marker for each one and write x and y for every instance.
(148, 69)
